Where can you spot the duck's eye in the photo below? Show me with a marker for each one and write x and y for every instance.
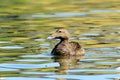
(59, 31)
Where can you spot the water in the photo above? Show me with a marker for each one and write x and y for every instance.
(25, 52)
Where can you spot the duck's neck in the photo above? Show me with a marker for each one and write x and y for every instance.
(64, 41)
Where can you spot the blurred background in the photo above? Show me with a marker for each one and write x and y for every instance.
(25, 52)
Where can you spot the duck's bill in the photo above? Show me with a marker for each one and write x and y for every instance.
(50, 37)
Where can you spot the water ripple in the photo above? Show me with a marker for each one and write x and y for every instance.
(65, 14)
(104, 10)
(11, 47)
(21, 66)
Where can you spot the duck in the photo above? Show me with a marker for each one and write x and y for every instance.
(65, 47)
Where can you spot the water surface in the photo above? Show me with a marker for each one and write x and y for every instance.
(25, 52)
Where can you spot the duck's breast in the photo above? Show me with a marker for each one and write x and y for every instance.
(62, 49)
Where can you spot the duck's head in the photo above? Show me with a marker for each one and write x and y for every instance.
(61, 34)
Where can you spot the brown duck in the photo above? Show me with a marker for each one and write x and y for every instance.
(64, 47)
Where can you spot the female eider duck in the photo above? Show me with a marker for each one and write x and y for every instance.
(64, 47)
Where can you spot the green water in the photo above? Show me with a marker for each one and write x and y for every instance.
(25, 52)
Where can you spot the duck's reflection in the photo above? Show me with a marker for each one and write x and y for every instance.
(66, 63)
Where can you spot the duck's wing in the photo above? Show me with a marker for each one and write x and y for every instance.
(77, 48)
(75, 45)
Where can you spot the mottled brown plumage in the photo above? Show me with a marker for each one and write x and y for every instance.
(64, 47)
